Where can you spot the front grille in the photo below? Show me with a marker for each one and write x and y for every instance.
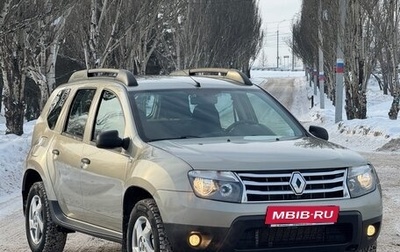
(295, 236)
(319, 184)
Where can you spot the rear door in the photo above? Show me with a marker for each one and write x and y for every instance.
(65, 155)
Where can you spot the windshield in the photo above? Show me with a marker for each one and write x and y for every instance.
(179, 114)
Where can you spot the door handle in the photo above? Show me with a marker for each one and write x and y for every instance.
(85, 161)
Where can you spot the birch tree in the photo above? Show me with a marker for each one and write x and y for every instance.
(330, 21)
(359, 50)
(148, 32)
(213, 33)
(305, 36)
(393, 51)
(383, 16)
(13, 62)
(92, 32)
(43, 43)
(359, 57)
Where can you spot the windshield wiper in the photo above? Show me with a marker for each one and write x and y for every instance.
(174, 138)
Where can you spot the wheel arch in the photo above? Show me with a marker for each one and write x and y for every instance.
(132, 195)
(30, 177)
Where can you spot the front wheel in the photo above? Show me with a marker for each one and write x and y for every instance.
(42, 234)
(146, 230)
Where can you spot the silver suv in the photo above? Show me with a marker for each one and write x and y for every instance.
(201, 160)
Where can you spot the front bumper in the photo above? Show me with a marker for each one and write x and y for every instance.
(249, 233)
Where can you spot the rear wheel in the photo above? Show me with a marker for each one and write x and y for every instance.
(42, 234)
(146, 230)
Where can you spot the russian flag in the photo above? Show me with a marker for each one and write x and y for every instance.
(339, 66)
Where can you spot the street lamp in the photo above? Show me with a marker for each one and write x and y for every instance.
(277, 43)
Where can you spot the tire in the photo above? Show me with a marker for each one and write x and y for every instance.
(146, 229)
(42, 234)
(371, 248)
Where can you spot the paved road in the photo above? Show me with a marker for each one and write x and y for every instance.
(12, 235)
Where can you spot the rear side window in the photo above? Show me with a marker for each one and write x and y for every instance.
(56, 107)
(79, 111)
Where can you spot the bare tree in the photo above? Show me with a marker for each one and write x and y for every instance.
(358, 60)
(183, 44)
(305, 36)
(359, 50)
(384, 22)
(116, 33)
(93, 35)
(149, 32)
(102, 33)
(178, 39)
(393, 48)
(43, 43)
(330, 21)
(213, 33)
(13, 61)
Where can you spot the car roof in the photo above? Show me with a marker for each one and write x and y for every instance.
(180, 82)
(192, 78)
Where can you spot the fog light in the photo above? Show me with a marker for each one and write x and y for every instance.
(371, 230)
(194, 240)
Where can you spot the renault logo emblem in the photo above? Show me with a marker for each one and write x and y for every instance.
(297, 183)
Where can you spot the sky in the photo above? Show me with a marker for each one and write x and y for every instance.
(277, 15)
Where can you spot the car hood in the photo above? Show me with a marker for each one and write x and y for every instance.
(258, 154)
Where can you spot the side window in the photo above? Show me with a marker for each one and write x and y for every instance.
(109, 116)
(56, 106)
(79, 111)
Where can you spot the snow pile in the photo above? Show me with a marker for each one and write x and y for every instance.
(361, 135)
(376, 133)
(13, 150)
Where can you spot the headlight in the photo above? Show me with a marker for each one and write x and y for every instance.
(361, 180)
(214, 185)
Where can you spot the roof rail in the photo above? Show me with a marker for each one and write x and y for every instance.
(231, 74)
(121, 75)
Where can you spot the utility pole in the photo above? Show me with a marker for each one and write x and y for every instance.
(277, 48)
(277, 43)
(292, 51)
(321, 76)
(394, 25)
(340, 62)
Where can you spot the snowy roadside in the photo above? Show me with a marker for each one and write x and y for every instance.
(376, 133)
(13, 150)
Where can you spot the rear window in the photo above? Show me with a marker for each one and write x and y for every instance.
(56, 107)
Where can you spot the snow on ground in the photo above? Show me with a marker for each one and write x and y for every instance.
(361, 135)
(13, 151)
(377, 132)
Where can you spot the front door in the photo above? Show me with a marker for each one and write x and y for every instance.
(104, 170)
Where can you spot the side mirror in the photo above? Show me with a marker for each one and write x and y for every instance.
(110, 139)
(319, 132)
